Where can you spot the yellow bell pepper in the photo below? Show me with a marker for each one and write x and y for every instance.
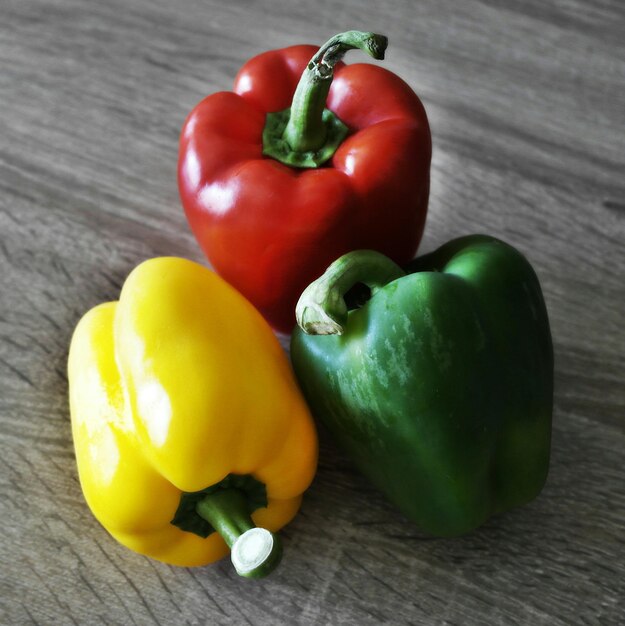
(184, 409)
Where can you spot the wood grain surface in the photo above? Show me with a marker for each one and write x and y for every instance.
(527, 107)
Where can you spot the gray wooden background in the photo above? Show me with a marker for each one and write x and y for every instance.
(527, 107)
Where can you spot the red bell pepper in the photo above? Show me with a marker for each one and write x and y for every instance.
(306, 160)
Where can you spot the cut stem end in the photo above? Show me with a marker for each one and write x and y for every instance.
(256, 553)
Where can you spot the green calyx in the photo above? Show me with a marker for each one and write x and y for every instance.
(274, 144)
(307, 134)
(188, 519)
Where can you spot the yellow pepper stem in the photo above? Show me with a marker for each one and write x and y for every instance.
(255, 552)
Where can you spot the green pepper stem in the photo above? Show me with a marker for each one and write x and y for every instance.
(305, 130)
(255, 552)
(321, 309)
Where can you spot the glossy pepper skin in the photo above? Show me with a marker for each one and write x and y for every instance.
(177, 387)
(440, 386)
(270, 228)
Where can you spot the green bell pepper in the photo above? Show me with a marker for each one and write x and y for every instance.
(439, 386)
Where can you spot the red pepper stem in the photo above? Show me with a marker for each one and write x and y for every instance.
(321, 309)
(255, 552)
(306, 130)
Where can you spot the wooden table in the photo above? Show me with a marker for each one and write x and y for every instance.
(527, 108)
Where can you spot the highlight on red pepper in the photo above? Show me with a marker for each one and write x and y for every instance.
(307, 159)
(440, 385)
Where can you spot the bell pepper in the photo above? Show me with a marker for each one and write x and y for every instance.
(307, 159)
(191, 436)
(439, 386)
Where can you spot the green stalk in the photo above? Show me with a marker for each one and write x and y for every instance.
(307, 134)
(254, 551)
(321, 309)
(306, 130)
